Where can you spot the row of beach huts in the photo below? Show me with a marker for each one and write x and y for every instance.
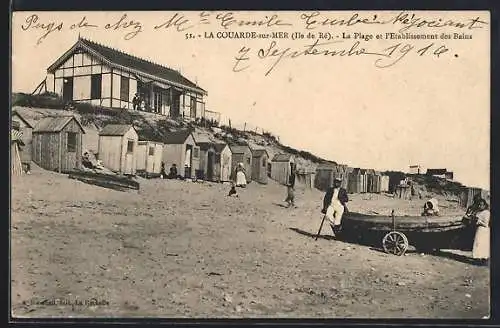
(354, 180)
(55, 143)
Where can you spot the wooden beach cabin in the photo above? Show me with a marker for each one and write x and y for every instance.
(242, 154)
(149, 157)
(223, 162)
(118, 148)
(207, 161)
(281, 167)
(15, 143)
(179, 148)
(327, 172)
(57, 143)
(26, 129)
(260, 158)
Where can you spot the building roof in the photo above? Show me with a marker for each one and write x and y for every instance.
(259, 152)
(24, 119)
(177, 137)
(55, 124)
(219, 147)
(235, 149)
(282, 158)
(125, 61)
(115, 129)
(205, 145)
(436, 171)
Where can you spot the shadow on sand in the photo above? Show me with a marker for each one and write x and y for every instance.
(312, 235)
(280, 205)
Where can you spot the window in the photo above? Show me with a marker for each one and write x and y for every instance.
(263, 162)
(124, 88)
(71, 142)
(151, 151)
(95, 86)
(196, 152)
(193, 106)
(248, 160)
(130, 146)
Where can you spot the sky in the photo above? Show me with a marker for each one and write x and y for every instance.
(430, 108)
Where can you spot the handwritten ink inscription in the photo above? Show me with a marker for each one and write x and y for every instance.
(315, 33)
(385, 57)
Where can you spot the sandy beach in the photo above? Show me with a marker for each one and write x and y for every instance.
(185, 249)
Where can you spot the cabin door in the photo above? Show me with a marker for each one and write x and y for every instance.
(210, 166)
(188, 162)
(68, 89)
(129, 158)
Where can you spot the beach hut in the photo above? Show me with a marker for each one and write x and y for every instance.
(57, 143)
(118, 148)
(281, 166)
(26, 129)
(242, 154)
(373, 181)
(260, 158)
(304, 179)
(149, 157)
(179, 148)
(15, 158)
(327, 172)
(223, 162)
(207, 160)
(355, 181)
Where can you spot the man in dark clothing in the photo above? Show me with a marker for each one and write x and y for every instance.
(334, 205)
(290, 199)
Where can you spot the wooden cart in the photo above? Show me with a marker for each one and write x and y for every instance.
(397, 233)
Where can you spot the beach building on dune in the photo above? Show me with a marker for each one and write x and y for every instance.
(100, 75)
(117, 149)
(57, 143)
(179, 148)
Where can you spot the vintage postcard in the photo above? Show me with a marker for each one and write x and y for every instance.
(230, 164)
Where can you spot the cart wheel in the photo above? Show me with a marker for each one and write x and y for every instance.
(395, 243)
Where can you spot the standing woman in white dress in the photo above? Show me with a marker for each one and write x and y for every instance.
(481, 247)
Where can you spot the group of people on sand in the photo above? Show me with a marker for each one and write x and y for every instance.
(478, 215)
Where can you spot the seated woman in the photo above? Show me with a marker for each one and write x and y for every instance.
(431, 207)
(172, 174)
(86, 162)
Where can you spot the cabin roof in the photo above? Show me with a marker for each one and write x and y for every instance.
(177, 137)
(219, 147)
(236, 149)
(24, 119)
(205, 145)
(55, 124)
(282, 158)
(115, 130)
(259, 152)
(120, 59)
